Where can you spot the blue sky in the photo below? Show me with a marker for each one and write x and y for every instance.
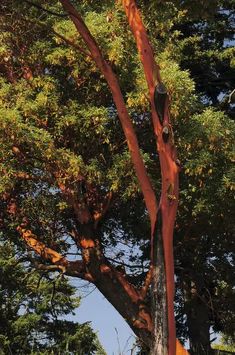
(114, 334)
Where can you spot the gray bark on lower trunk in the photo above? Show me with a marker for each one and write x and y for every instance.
(159, 297)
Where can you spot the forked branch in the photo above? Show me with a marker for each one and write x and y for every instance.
(59, 262)
(105, 68)
(167, 156)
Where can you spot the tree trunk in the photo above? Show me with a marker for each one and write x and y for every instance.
(159, 299)
(198, 323)
(114, 285)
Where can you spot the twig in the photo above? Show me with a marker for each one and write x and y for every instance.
(39, 7)
(71, 43)
(143, 291)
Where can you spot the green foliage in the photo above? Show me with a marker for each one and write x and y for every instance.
(31, 306)
(199, 36)
(225, 344)
(204, 245)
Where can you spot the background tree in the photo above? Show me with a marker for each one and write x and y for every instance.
(225, 344)
(33, 304)
(62, 146)
(202, 35)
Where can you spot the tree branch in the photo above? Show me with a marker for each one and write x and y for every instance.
(49, 268)
(148, 279)
(39, 7)
(71, 43)
(40, 248)
(151, 69)
(169, 168)
(104, 208)
(71, 268)
(105, 68)
(78, 203)
(22, 175)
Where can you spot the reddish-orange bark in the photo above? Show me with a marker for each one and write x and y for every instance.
(169, 168)
(180, 350)
(167, 155)
(40, 248)
(125, 120)
(74, 268)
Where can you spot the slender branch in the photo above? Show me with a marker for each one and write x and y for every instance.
(148, 279)
(22, 175)
(40, 248)
(151, 69)
(39, 7)
(104, 208)
(105, 68)
(115, 261)
(71, 43)
(22, 259)
(72, 268)
(49, 268)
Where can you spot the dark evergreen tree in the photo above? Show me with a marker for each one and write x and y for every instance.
(33, 304)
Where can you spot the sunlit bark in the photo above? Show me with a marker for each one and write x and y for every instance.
(169, 171)
(72, 268)
(125, 120)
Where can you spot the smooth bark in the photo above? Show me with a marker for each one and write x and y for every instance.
(169, 172)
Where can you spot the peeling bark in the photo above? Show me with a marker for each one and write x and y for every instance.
(169, 172)
(159, 295)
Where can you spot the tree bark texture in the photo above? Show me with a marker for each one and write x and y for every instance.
(159, 343)
(169, 168)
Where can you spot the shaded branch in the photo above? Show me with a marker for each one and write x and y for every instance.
(105, 206)
(49, 268)
(78, 203)
(22, 175)
(39, 7)
(147, 282)
(71, 43)
(115, 261)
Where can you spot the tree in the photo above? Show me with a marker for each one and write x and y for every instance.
(89, 199)
(205, 247)
(199, 38)
(32, 304)
(59, 194)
